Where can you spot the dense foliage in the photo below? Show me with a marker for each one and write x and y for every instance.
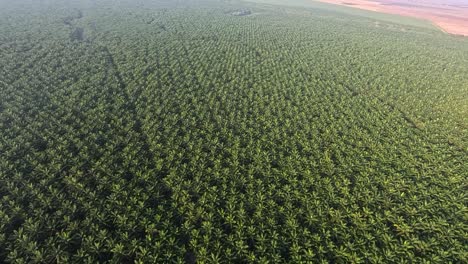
(175, 131)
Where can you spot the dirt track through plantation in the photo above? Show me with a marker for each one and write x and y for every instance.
(450, 16)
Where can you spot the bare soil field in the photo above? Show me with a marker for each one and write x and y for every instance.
(450, 16)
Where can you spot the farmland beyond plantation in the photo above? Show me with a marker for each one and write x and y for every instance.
(450, 15)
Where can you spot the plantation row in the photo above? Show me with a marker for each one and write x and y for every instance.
(180, 133)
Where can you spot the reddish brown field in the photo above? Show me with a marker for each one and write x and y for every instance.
(450, 16)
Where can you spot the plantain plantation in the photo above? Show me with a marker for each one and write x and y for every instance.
(209, 131)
